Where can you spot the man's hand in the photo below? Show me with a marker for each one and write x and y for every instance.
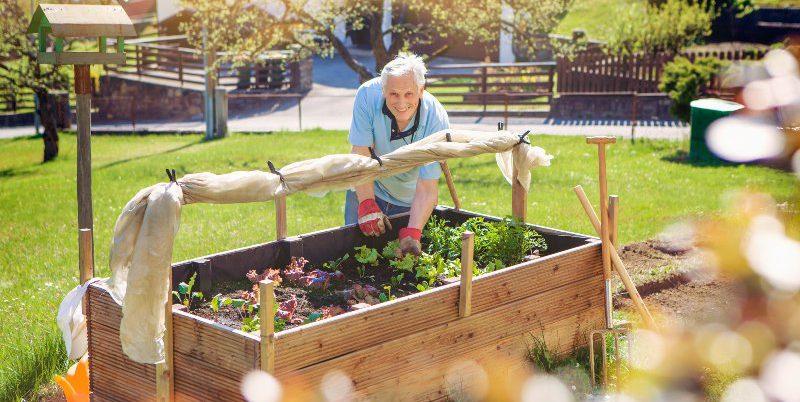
(409, 242)
(371, 220)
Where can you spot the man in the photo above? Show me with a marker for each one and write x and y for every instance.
(391, 111)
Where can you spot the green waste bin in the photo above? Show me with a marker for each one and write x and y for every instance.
(704, 112)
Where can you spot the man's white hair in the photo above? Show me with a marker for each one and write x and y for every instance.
(403, 64)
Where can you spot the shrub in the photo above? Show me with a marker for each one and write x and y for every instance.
(666, 27)
(683, 80)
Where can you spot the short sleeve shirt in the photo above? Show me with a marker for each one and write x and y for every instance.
(372, 128)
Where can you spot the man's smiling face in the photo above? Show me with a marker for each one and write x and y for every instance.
(402, 96)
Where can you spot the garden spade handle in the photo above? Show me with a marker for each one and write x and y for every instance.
(617, 262)
(604, 231)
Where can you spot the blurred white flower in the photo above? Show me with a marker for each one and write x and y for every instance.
(796, 163)
(730, 351)
(744, 390)
(744, 139)
(336, 386)
(779, 376)
(780, 63)
(772, 254)
(648, 350)
(259, 386)
(466, 380)
(540, 388)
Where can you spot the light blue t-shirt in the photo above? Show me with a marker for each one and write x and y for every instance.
(372, 128)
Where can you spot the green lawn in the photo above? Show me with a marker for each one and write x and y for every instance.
(38, 253)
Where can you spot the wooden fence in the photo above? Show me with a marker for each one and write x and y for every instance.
(169, 58)
(15, 101)
(593, 72)
(493, 88)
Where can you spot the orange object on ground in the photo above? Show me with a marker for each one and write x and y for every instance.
(76, 383)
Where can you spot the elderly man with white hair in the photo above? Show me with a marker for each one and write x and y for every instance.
(391, 111)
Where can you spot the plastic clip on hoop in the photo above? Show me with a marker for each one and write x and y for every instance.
(522, 138)
(276, 172)
(375, 156)
(171, 175)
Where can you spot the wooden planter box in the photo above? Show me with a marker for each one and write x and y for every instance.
(399, 349)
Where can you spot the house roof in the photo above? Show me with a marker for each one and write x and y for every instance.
(81, 20)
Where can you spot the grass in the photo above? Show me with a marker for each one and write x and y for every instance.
(595, 16)
(38, 253)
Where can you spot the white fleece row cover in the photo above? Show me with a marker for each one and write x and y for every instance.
(141, 251)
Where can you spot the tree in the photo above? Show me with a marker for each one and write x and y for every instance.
(246, 29)
(667, 27)
(20, 70)
(683, 82)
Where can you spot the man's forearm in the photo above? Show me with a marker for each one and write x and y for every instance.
(367, 190)
(425, 199)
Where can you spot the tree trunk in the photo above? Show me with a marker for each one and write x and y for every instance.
(47, 114)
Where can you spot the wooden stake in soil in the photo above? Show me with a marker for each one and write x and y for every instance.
(604, 229)
(280, 217)
(266, 317)
(465, 291)
(448, 176)
(617, 262)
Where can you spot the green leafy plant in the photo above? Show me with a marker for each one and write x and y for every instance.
(366, 255)
(185, 295)
(390, 249)
(335, 265)
(397, 279)
(406, 263)
(683, 81)
(251, 324)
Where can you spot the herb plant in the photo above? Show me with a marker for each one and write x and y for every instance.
(184, 293)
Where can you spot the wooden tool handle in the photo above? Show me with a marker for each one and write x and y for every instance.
(617, 263)
(601, 140)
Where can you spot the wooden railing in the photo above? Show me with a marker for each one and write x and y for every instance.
(517, 88)
(594, 71)
(170, 59)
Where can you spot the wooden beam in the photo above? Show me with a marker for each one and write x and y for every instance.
(280, 216)
(85, 254)
(448, 176)
(266, 317)
(102, 44)
(465, 290)
(519, 197)
(613, 220)
(165, 370)
(69, 58)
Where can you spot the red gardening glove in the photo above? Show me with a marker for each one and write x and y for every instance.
(371, 220)
(409, 241)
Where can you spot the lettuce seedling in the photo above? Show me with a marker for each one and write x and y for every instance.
(184, 293)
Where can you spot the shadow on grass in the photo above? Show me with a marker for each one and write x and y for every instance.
(168, 151)
(682, 157)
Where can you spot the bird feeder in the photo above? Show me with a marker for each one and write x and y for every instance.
(81, 21)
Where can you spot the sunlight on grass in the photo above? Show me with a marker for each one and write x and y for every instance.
(38, 253)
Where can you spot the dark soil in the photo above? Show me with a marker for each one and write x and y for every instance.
(338, 293)
(675, 285)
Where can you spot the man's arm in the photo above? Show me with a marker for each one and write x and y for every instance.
(367, 190)
(425, 199)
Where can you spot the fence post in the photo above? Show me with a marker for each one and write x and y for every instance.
(180, 67)
(483, 87)
(505, 113)
(300, 112)
(633, 116)
(138, 54)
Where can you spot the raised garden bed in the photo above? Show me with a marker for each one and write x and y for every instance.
(400, 348)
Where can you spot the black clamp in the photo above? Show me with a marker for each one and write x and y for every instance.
(522, 138)
(500, 126)
(375, 156)
(276, 172)
(171, 176)
(447, 136)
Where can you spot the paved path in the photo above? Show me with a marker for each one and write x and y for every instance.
(329, 105)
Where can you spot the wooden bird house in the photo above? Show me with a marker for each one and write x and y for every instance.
(62, 21)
